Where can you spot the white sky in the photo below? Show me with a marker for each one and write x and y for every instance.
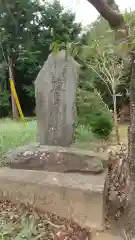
(86, 13)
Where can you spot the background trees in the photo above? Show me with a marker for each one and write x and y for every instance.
(26, 37)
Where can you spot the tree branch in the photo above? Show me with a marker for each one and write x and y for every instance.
(110, 11)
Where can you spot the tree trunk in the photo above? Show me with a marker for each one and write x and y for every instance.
(110, 11)
(131, 137)
(125, 189)
(115, 119)
(130, 212)
(14, 107)
(127, 220)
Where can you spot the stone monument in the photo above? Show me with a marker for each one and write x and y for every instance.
(55, 89)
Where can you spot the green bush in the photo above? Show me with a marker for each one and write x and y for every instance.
(4, 103)
(102, 124)
(93, 113)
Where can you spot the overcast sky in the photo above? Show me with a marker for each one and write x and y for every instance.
(86, 13)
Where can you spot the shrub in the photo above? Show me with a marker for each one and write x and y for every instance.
(93, 113)
(102, 124)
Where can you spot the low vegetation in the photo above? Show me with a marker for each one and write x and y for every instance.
(14, 134)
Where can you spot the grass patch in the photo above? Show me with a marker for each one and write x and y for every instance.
(14, 134)
(84, 138)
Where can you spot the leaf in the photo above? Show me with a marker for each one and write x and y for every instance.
(28, 228)
(5, 229)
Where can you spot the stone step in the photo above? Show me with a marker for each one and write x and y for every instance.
(75, 196)
(106, 236)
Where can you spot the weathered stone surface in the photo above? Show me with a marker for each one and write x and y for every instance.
(106, 236)
(73, 196)
(55, 159)
(55, 89)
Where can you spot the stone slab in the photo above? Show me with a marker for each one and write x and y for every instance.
(56, 159)
(73, 196)
(107, 236)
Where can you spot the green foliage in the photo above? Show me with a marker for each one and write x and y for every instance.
(4, 95)
(4, 102)
(99, 36)
(30, 90)
(93, 113)
(26, 36)
(14, 134)
(102, 123)
(25, 232)
(27, 229)
(63, 26)
(84, 134)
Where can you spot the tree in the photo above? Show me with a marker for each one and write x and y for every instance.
(109, 68)
(13, 17)
(109, 10)
(105, 67)
(100, 31)
(25, 28)
(4, 96)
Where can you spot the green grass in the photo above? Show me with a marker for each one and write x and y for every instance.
(14, 134)
(84, 138)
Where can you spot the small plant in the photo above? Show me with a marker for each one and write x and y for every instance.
(26, 232)
(84, 134)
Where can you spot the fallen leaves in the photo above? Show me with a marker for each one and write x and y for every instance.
(20, 222)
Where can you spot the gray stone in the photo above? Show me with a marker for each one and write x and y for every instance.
(55, 159)
(55, 89)
(73, 196)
